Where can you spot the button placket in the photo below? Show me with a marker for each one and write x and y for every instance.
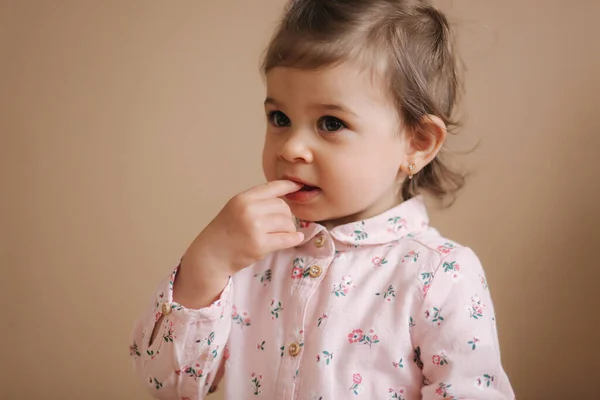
(318, 254)
(294, 349)
(315, 271)
(320, 240)
(165, 308)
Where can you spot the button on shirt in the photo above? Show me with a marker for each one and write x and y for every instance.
(384, 308)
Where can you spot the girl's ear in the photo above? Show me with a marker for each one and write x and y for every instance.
(424, 143)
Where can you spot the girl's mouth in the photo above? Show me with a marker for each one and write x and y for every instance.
(304, 195)
(307, 188)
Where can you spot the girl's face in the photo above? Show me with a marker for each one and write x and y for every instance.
(337, 131)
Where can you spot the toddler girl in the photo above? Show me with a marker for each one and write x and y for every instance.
(357, 296)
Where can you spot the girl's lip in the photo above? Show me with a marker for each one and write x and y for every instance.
(303, 196)
(298, 181)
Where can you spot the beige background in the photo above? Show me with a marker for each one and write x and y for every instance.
(125, 125)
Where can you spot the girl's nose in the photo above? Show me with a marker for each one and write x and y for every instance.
(295, 148)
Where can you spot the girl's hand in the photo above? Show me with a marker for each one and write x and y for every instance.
(252, 225)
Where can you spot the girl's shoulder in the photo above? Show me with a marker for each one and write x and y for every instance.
(434, 250)
(431, 242)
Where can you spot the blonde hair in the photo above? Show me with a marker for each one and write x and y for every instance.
(408, 41)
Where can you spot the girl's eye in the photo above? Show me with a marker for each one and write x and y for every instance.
(279, 119)
(331, 124)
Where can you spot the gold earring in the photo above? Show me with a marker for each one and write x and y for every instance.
(411, 170)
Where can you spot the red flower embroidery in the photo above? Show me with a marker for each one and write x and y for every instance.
(355, 336)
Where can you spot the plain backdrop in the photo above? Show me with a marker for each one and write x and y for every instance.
(126, 125)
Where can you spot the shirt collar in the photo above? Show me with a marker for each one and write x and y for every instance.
(406, 219)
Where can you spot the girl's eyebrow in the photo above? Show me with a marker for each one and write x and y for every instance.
(271, 101)
(333, 107)
(318, 106)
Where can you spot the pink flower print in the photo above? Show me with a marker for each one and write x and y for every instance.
(396, 394)
(355, 336)
(446, 248)
(358, 336)
(426, 278)
(356, 381)
(241, 320)
(193, 372)
(411, 256)
(398, 364)
(169, 334)
(443, 390)
(378, 261)
(476, 309)
(344, 287)
(318, 357)
(157, 316)
(452, 268)
(298, 269)
(297, 273)
(395, 224)
(439, 359)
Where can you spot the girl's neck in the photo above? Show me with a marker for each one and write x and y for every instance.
(383, 204)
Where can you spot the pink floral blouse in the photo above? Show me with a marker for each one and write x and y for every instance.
(384, 308)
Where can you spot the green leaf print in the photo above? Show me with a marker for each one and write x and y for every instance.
(388, 294)
(134, 350)
(321, 318)
(256, 385)
(327, 356)
(359, 231)
(264, 277)
(275, 309)
(473, 343)
(155, 383)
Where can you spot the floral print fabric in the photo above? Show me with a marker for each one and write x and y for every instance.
(384, 308)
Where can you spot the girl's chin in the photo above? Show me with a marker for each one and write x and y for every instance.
(306, 212)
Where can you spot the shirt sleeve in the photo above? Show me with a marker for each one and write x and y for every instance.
(183, 360)
(455, 338)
